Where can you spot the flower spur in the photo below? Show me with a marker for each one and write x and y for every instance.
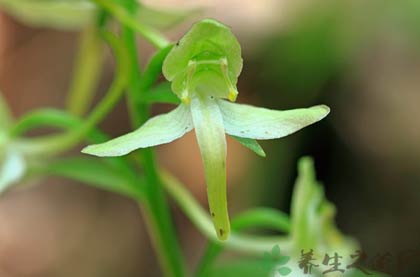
(204, 67)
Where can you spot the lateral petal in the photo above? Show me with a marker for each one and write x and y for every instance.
(157, 130)
(260, 123)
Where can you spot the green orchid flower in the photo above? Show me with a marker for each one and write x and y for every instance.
(204, 67)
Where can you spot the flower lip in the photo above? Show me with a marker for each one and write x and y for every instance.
(208, 77)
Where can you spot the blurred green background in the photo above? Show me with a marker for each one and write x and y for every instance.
(361, 58)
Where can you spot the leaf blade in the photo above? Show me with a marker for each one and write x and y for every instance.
(252, 145)
(162, 93)
(96, 173)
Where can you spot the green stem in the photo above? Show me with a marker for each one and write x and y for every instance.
(136, 113)
(161, 227)
(87, 71)
(54, 144)
(130, 21)
(155, 209)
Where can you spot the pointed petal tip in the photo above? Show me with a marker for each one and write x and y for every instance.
(90, 150)
(85, 150)
(326, 110)
(95, 150)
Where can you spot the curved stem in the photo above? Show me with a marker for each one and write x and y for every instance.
(125, 18)
(87, 71)
(55, 144)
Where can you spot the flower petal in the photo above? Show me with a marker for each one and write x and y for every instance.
(260, 123)
(208, 124)
(157, 130)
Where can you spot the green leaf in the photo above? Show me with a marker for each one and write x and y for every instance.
(282, 260)
(58, 14)
(251, 144)
(42, 118)
(161, 93)
(57, 118)
(97, 173)
(52, 118)
(262, 218)
(207, 60)
(164, 19)
(12, 168)
(259, 123)
(154, 68)
(157, 130)
(284, 271)
(275, 251)
(211, 139)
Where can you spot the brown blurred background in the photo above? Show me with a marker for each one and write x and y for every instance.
(361, 58)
